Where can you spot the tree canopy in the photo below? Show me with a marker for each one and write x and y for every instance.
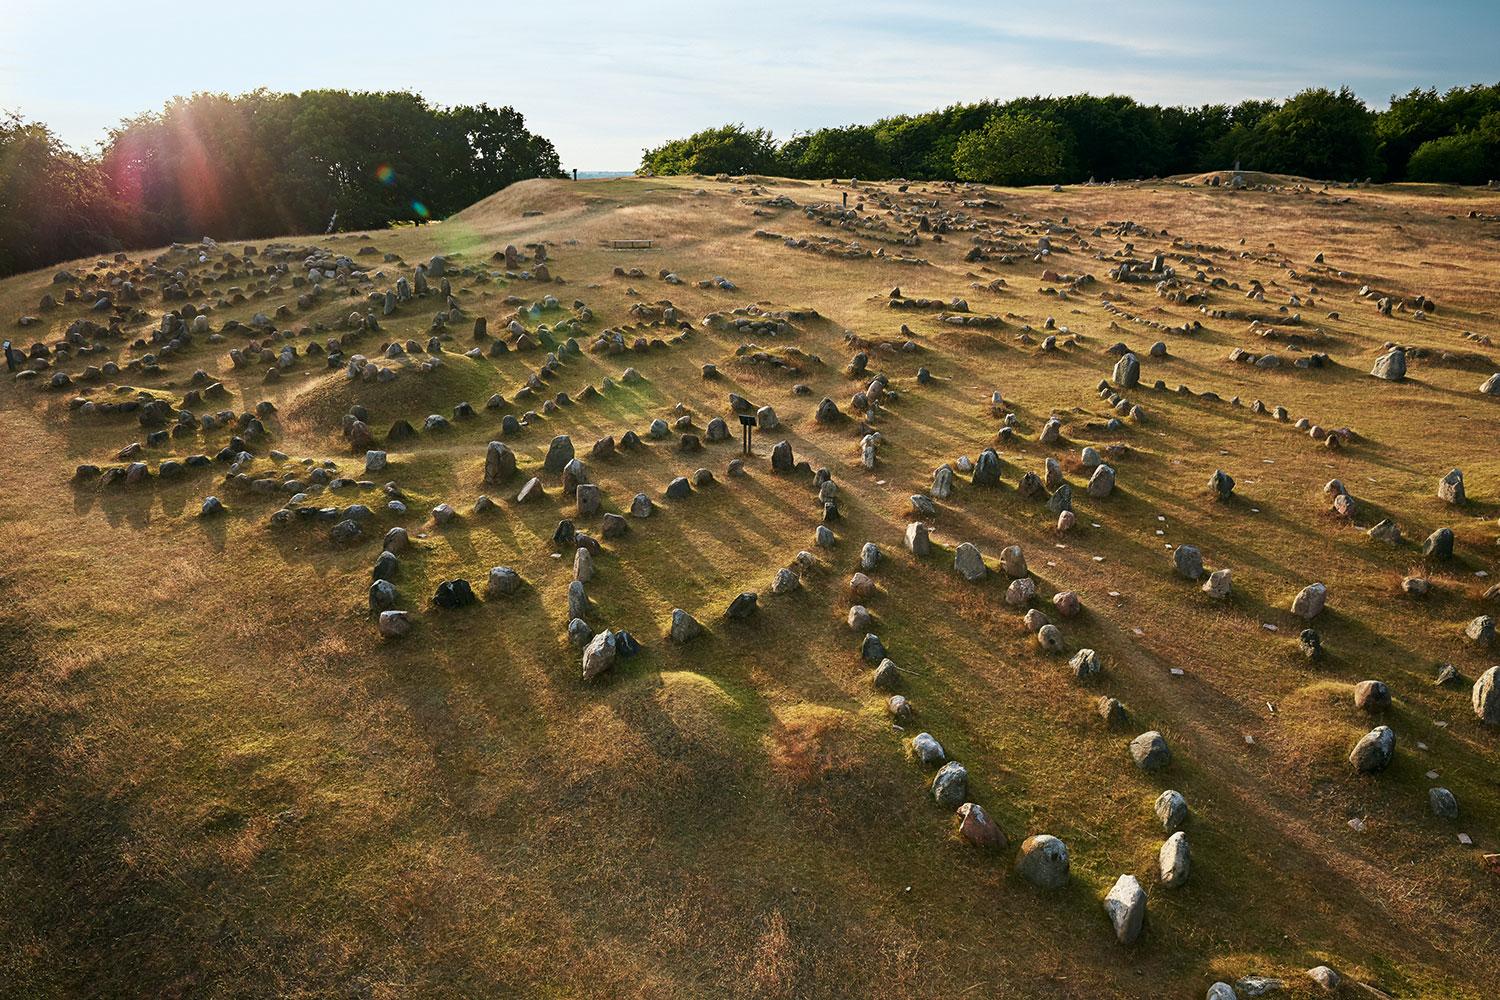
(1011, 149)
(256, 165)
(728, 149)
(1319, 133)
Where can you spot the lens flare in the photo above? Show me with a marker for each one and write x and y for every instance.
(420, 209)
(385, 174)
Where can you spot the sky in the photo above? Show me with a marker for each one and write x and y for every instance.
(603, 80)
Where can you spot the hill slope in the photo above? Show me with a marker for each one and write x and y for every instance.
(221, 779)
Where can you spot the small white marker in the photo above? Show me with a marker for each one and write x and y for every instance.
(1432, 775)
(1269, 627)
(1463, 838)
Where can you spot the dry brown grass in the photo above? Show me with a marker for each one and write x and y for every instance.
(218, 781)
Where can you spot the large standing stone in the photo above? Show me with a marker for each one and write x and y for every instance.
(1189, 561)
(917, 539)
(741, 607)
(1374, 751)
(1054, 474)
(950, 786)
(1391, 366)
(1126, 906)
(987, 469)
(1021, 592)
(531, 491)
(1308, 603)
(1221, 484)
(1220, 583)
(503, 581)
(394, 624)
(1487, 697)
(1013, 561)
(559, 454)
(1172, 809)
(382, 595)
(454, 594)
(942, 482)
(588, 497)
(1086, 664)
(499, 463)
(1150, 751)
(781, 457)
(1481, 631)
(685, 627)
(1102, 482)
(976, 827)
(1439, 544)
(927, 750)
(1127, 373)
(583, 565)
(1451, 487)
(599, 654)
(969, 563)
(578, 601)
(1175, 860)
(1372, 696)
(1043, 861)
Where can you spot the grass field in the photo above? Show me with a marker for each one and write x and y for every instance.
(219, 780)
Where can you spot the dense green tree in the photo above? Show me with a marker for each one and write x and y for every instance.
(1012, 149)
(1469, 157)
(262, 163)
(1318, 133)
(851, 151)
(1420, 116)
(54, 203)
(728, 149)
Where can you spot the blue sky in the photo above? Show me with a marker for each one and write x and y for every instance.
(602, 80)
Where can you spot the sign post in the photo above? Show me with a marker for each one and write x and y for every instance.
(747, 421)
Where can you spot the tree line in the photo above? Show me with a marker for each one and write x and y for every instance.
(1451, 137)
(255, 165)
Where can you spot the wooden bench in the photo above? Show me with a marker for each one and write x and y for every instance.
(631, 244)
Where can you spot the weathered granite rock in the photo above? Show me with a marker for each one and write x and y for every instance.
(1043, 861)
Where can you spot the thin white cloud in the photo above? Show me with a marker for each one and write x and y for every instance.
(604, 79)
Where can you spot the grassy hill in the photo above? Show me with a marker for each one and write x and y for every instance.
(219, 779)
